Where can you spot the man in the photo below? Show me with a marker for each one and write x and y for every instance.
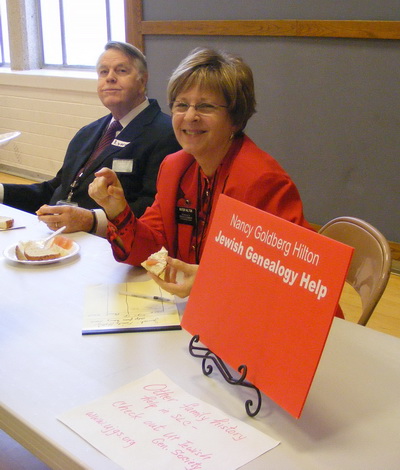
(134, 152)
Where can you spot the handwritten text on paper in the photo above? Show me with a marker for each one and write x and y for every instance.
(155, 424)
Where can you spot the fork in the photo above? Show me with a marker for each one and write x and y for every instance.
(46, 242)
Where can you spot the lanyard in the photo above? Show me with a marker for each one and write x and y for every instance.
(204, 207)
(88, 162)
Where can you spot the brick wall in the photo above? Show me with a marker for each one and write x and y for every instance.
(48, 110)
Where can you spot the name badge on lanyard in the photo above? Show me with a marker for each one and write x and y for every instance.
(120, 165)
(186, 215)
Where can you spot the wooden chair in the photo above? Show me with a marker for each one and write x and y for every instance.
(370, 266)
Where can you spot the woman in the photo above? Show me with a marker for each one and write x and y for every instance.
(211, 95)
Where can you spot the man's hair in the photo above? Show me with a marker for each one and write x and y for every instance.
(222, 73)
(130, 51)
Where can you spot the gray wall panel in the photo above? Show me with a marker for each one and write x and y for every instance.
(271, 9)
(328, 111)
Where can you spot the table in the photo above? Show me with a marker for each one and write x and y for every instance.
(351, 419)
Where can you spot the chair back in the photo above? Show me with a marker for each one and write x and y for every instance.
(371, 262)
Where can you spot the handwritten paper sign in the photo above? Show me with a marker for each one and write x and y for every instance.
(126, 307)
(153, 424)
(265, 295)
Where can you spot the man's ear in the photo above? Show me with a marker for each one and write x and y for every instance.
(143, 77)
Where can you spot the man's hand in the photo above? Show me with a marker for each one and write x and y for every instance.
(107, 191)
(177, 269)
(74, 218)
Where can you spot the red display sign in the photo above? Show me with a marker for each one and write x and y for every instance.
(265, 296)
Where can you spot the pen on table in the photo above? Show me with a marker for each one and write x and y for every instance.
(148, 297)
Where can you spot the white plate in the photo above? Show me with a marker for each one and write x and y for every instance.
(9, 253)
(5, 138)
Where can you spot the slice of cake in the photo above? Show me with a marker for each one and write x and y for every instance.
(6, 222)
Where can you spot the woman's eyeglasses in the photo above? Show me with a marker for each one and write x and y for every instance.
(180, 107)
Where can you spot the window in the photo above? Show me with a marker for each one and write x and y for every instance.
(75, 31)
(4, 44)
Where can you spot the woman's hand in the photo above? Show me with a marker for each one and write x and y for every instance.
(107, 191)
(181, 287)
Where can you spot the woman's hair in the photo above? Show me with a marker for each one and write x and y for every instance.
(130, 51)
(219, 72)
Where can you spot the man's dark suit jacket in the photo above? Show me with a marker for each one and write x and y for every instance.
(150, 138)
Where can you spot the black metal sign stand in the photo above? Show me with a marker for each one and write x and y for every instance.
(206, 354)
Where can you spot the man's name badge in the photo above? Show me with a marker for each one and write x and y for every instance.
(185, 215)
(66, 202)
(122, 166)
(119, 143)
